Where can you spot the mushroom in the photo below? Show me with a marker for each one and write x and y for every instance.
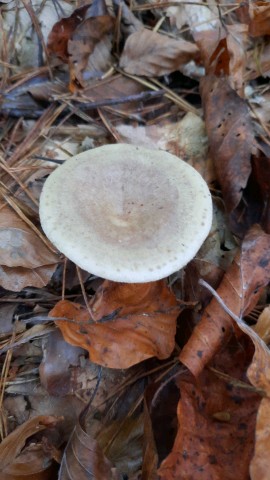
(126, 213)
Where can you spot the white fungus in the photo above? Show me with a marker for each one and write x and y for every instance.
(126, 213)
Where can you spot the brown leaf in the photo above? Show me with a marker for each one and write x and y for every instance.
(62, 31)
(82, 44)
(259, 12)
(224, 53)
(19, 244)
(153, 54)
(260, 465)
(84, 458)
(132, 323)
(259, 375)
(121, 438)
(12, 465)
(216, 419)
(262, 327)
(240, 290)
(231, 137)
(75, 38)
(25, 259)
(160, 424)
(17, 278)
(55, 370)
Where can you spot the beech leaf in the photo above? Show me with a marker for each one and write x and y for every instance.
(240, 290)
(216, 422)
(152, 54)
(132, 323)
(231, 136)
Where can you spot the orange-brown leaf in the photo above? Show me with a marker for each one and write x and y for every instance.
(259, 18)
(240, 289)
(153, 54)
(216, 419)
(132, 323)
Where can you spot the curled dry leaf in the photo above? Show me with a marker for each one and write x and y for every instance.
(240, 290)
(15, 463)
(153, 54)
(231, 137)
(84, 459)
(132, 323)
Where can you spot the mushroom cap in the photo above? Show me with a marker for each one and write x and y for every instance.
(126, 213)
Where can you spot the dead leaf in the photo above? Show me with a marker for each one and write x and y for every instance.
(258, 64)
(259, 375)
(17, 278)
(132, 322)
(152, 54)
(83, 42)
(84, 458)
(198, 17)
(216, 421)
(224, 53)
(24, 257)
(160, 424)
(55, 369)
(240, 290)
(19, 244)
(231, 137)
(186, 138)
(104, 449)
(259, 12)
(12, 464)
(83, 34)
(62, 31)
(259, 465)
(129, 23)
(262, 327)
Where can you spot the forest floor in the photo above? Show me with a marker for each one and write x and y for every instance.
(168, 379)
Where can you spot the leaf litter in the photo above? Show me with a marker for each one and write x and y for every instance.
(184, 372)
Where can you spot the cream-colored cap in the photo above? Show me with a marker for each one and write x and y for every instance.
(126, 213)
